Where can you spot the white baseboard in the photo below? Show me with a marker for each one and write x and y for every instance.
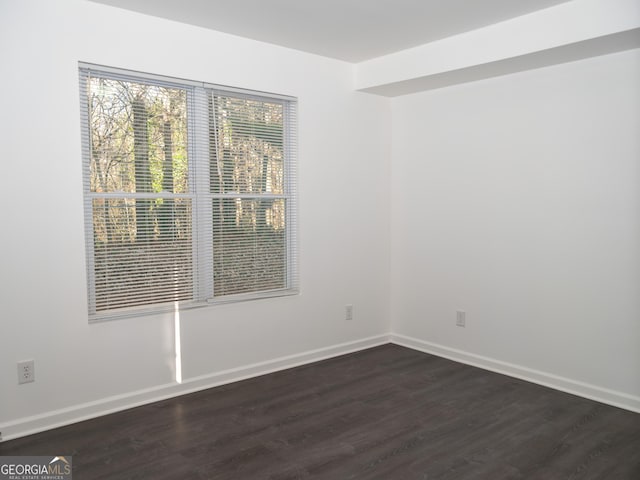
(77, 413)
(85, 411)
(574, 387)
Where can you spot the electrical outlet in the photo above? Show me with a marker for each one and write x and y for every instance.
(348, 312)
(26, 371)
(461, 318)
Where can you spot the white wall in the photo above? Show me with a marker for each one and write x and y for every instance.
(561, 33)
(517, 199)
(343, 176)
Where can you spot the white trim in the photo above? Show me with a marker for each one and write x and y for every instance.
(85, 411)
(120, 73)
(574, 387)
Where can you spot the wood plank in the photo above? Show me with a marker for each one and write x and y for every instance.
(384, 413)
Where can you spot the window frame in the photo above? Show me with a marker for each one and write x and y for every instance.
(199, 162)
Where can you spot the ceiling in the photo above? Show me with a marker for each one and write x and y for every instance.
(350, 30)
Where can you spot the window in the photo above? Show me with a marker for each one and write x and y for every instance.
(189, 193)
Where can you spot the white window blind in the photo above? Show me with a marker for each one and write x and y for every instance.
(189, 193)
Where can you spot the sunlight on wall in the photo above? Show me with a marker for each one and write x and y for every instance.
(177, 347)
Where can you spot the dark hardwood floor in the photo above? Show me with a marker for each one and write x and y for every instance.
(385, 413)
